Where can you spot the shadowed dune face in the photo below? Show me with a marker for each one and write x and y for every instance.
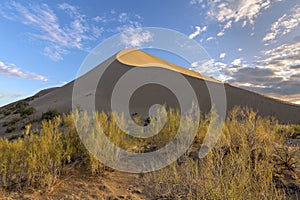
(145, 96)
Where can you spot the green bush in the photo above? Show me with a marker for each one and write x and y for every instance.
(27, 111)
(6, 112)
(10, 129)
(50, 114)
(12, 122)
(290, 131)
(21, 106)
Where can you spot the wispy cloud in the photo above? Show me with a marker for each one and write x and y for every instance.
(197, 32)
(11, 95)
(135, 36)
(193, 2)
(222, 55)
(236, 11)
(63, 82)
(237, 61)
(13, 71)
(211, 68)
(283, 59)
(210, 38)
(16, 95)
(284, 25)
(59, 39)
(221, 33)
(227, 26)
(276, 73)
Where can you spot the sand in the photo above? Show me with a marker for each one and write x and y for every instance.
(61, 98)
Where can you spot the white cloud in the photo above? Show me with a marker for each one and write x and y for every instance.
(251, 85)
(240, 49)
(12, 95)
(63, 82)
(60, 38)
(210, 38)
(237, 61)
(228, 25)
(123, 17)
(276, 72)
(284, 25)
(99, 19)
(296, 102)
(236, 11)
(222, 55)
(193, 2)
(283, 60)
(55, 52)
(197, 31)
(221, 33)
(211, 68)
(13, 71)
(135, 37)
(17, 95)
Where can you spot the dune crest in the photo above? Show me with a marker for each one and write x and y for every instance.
(137, 58)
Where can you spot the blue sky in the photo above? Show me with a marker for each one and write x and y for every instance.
(254, 44)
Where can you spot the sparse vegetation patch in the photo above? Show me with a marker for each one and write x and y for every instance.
(249, 160)
(50, 114)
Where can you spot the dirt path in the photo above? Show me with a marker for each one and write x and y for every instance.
(80, 185)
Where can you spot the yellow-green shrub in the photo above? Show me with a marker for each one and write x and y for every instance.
(240, 166)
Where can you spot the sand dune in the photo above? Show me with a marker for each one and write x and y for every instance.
(144, 97)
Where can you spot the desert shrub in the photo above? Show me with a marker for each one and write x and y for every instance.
(4, 124)
(21, 106)
(11, 122)
(139, 144)
(240, 166)
(72, 143)
(34, 161)
(291, 131)
(1, 114)
(27, 111)
(38, 159)
(10, 129)
(50, 114)
(7, 112)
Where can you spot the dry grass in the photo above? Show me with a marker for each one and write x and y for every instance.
(243, 164)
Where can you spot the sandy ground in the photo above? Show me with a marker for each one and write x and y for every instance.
(78, 184)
